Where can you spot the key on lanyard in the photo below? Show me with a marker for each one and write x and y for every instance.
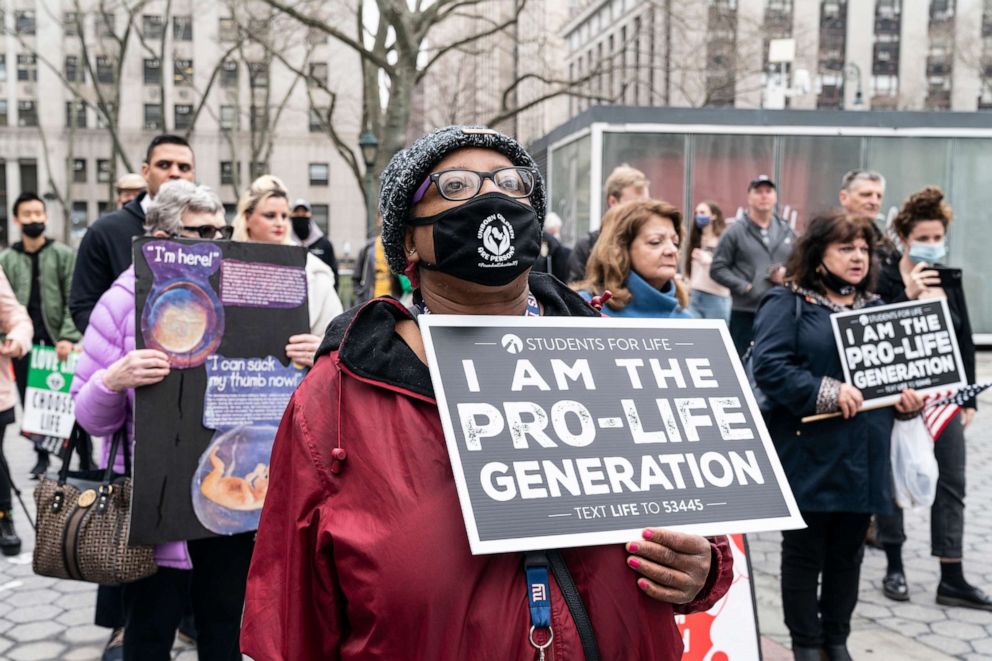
(539, 599)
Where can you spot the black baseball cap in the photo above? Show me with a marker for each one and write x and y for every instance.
(760, 179)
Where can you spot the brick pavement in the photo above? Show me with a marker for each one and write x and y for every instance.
(42, 618)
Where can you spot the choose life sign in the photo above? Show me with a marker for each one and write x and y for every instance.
(48, 408)
(582, 431)
(887, 349)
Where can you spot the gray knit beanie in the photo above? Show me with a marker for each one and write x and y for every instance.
(409, 167)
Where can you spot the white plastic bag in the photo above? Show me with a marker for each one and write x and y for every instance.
(914, 467)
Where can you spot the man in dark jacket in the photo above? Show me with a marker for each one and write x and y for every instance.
(624, 184)
(310, 236)
(105, 251)
(750, 258)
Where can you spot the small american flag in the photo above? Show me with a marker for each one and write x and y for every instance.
(941, 407)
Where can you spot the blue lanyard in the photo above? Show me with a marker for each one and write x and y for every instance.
(533, 308)
(538, 589)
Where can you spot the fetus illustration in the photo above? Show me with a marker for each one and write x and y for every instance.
(232, 477)
(236, 493)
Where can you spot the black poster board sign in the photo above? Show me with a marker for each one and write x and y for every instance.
(576, 431)
(887, 349)
(223, 312)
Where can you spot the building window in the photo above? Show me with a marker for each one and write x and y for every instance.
(102, 208)
(316, 37)
(104, 110)
(226, 173)
(317, 121)
(318, 73)
(153, 117)
(27, 67)
(153, 71)
(259, 118)
(102, 170)
(319, 174)
(75, 111)
(258, 168)
(227, 29)
(3, 112)
(152, 27)
(321, 216)
(72, 71)
(182, 72)
(24, 22)
(27, 113)
(79, 170)
(105, 25)
(229, 73)
(182, 28)
(183, 113)
(104, 70)
(3, 68)
(230, 211)
(77, 218)
(228, 117)
(258, 75)
(71, 24)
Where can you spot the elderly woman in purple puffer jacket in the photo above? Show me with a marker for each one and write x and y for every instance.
(108, 371)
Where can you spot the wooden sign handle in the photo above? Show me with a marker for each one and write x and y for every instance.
(837, 414)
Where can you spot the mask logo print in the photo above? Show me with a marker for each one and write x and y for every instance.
(497, 237)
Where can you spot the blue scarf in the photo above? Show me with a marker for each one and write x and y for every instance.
(646, 301)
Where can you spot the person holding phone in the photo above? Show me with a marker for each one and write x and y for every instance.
(917, 273)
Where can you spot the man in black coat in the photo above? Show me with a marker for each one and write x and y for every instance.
(311, 237)
(105, 251)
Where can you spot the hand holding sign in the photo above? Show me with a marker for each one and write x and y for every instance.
(675, 565)
(141, 367)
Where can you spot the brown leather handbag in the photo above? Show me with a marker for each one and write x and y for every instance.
(83, 524)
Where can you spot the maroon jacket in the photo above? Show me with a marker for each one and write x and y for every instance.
(368, 558)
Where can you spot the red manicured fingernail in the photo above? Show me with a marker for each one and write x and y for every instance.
(632, 547)
(634, 562)
(642, 584)
(647, 534)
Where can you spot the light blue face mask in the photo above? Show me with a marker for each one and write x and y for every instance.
(702, 220)
(931, 253)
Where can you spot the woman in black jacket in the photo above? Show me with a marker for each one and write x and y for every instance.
(922, 226)
(838, 468)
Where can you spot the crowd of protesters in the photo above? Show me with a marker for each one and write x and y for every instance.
(376, 561)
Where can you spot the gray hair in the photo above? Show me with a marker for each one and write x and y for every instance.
(853, 176)
(176, 198)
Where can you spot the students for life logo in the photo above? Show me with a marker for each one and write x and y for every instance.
(497, 237)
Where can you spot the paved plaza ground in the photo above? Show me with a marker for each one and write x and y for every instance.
(43, 618)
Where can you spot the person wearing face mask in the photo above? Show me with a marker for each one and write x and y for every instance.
(39, 270)
(709, 299)
(636, 259)
(921, 226)
(839, 467)
(310, 236)
(363, 554)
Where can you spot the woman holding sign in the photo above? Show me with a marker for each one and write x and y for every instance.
(362, 550)
(917, 274)
(636, 259)
(263, 216)
(109, 370)
(838, 468)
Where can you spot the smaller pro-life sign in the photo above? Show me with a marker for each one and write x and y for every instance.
(887, 349)
(48, 408)
(570, 432)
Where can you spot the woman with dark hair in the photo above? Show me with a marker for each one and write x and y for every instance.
(839, 467)
(635, 259)
(709, 300)
(921, 227)
(362, 551)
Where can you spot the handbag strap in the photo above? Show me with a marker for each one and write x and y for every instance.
(120, 436)
(71, 444)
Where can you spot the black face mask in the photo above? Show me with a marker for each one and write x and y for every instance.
(489, 240)
(33, 230)
(301, 226)
(836, 283)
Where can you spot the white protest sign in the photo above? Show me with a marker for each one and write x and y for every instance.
(48, 408)
(582, 431)
(887, 349)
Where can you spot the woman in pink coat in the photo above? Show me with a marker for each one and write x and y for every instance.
(108, 371)
(16, 325)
